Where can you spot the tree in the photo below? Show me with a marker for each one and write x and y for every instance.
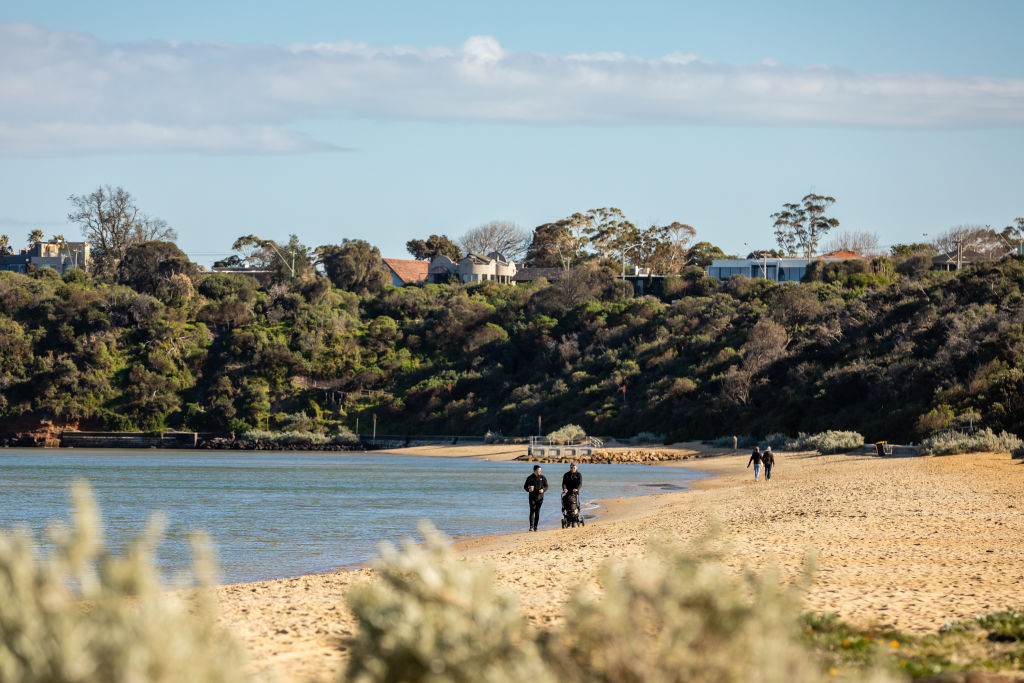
(559, 244)
(979, 242)
(504, 237)
(5, 245)
(354, 266)
(802, 226)
(432, 247)
(671, 250)
(111, 222)
(1014, 234)
(150, 267)
(288, 263)
(703, 253)
(35, 236)
(860, 241)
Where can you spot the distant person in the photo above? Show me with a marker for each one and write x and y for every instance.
(536, 484)
(755, 460)
(735, 443)
(572, 480)
(768, 458)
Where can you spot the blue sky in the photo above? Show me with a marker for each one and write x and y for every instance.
(392, 120)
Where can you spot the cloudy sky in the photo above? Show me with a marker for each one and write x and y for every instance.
(392, 120)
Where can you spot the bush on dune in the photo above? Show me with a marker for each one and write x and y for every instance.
(981, 441)
(86, 616)
(672, 615)
(827, 442)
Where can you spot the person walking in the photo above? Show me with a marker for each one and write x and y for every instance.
(755, 460)
(536, 484)
(768, 458)
(572, 480)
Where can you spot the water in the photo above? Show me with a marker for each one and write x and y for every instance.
(273, 515)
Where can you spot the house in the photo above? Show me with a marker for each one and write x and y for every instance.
(60, 256)
(772, 268)
(406, 271)
(473, 268)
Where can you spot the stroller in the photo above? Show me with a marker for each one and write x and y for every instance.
(571, 510)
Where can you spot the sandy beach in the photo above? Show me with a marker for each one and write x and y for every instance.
(909, 543)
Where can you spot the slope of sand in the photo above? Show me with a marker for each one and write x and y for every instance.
(909, 543)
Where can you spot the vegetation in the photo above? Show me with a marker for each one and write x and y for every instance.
(826, 442)
(981, 441)
(568, 434)
(314, 340)
(673, 615)
(82, 615)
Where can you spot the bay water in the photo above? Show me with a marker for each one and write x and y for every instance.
(273, 515)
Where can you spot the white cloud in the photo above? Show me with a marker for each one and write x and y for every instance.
(67, 93)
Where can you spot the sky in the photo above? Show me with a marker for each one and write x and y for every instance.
(393, 120)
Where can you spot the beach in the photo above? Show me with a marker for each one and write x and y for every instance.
(907, 543)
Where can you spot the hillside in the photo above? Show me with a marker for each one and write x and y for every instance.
(890, 356)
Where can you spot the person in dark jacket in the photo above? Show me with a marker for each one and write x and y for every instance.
(572, 480)
(768, 458)
(536, 484)
(755, 460)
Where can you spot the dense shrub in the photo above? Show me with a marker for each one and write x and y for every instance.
(647, 438)
(826, 442)
(430, 617)
(298, 439)
(86, 616)
(981, 441)
(742, 441)
(673, 615)
(567, 434)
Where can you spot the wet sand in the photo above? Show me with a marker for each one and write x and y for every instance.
(908, 543)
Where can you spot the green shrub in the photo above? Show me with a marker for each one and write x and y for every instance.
(672, 615)
(777, 441)
(981, 441)
(86, 616)
(826, 442)
(299, 439)
(743, 441)
(567, 434)
(430, 617)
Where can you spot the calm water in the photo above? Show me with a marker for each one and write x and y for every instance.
(273, 515)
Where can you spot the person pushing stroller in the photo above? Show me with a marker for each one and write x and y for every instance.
(572, 481)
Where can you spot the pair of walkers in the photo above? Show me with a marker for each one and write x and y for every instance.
(536, 484)
(757, 459)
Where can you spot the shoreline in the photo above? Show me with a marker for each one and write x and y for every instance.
(906, 543)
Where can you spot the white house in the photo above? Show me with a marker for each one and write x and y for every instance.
(473, 268)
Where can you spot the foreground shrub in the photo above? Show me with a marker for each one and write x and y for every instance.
(567, 434)
(672, 615)
(981, 441)
(86, 616)
(826, 442)
(430, 617)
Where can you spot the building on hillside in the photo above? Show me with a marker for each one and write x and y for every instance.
(772, 268)
(406, 271)
(957, 259)
(61, 256)
(473, 268)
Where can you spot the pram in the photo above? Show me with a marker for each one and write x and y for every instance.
(571, 510)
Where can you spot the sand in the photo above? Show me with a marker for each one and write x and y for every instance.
(908, 543)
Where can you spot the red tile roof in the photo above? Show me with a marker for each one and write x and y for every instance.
(841, 254)
(408, 271)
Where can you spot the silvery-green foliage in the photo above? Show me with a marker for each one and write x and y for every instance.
(678, 614)
(830, 441)
(567, 434)
(431, 617)
(83, 615)
(981, 441)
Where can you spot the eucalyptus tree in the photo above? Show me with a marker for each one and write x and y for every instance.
(800, 227)
(432, 247)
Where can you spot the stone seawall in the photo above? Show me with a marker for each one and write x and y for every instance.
(616, 456)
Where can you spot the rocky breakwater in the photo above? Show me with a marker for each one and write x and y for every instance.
(609, 456)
